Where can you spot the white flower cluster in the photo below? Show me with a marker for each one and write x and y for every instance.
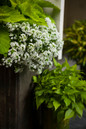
(33, 46)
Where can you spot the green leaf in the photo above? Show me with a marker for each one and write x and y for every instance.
(11, 15)
(79, 108)
(67, 101)
(83, 95)
(56, 104)
(65, 64)
(39, 92)
(35, 79)
(44, 3)
(39, 101)
(69, 114)
(13, 3)
(56, 63)
(4, 41)
(33, 11)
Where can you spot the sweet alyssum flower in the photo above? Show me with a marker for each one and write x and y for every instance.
(33, 46)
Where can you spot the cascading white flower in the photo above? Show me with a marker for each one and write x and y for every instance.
(33, 46)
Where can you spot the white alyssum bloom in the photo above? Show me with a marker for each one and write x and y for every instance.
(33, 46)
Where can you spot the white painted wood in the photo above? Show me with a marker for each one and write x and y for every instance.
(61, 24)
(58, 17)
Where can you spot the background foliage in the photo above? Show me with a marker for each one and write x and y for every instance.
(75, 42)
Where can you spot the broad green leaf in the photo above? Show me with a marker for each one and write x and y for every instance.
(35, 79)
(4, 41)
(39, 101)
(56, 104)
(69, 114)
(33, 12)
(13, 15)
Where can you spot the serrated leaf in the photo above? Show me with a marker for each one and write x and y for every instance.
(4, 41)
(56, 104)
(69, 114)
(33, 12)
(13, 15)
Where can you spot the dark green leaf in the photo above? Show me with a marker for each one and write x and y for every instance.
(39, 101)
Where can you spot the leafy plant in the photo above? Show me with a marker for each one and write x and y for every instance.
(22, 10)
(62, 90)
(75, 42)
(14, 11)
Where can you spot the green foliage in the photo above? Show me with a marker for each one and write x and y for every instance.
(22, 10)
(8, 14)
(75, 42)
(61, 90)
(4, 41)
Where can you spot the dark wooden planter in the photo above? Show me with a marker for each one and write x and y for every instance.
(16, 100)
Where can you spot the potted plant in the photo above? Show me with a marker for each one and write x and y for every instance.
(63, 92)
(28, 36)
(75, 43)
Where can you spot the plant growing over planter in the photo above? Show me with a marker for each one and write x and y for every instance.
(28, 36)
(62, 90)
(75, 43)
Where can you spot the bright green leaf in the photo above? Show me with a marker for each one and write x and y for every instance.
(35, 79)
(4, 41)
(56, 63)
(11, 15)
(69, 114)
(56, 104)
